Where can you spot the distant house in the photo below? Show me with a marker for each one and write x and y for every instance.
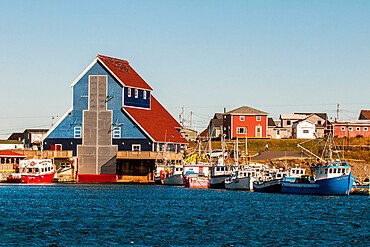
(215, 125)
(245, 119)
(10, 145)
(319, 120)
(189, 134)
(16, 137)
(287, 121)
(364, 115)
(33, 138)
(348, 128)
(303, 129)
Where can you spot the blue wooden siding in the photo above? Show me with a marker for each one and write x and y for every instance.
(139, 101)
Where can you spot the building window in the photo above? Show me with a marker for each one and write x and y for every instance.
(350, 128)
(288, 122)
(78, 132)
(319, 122)
(240, 130)
(357, 128)
(116, 132)
(365, 128)
(342, 128)
(136, 93)
(241, 118)
(136, 147)
(305, 131)
(144, 94)
(258, 118)
(129, 92)
(278, 132)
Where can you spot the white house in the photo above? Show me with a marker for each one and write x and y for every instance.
(303, 129)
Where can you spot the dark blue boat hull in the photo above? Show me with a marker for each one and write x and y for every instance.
(273, 186)
(332, 186)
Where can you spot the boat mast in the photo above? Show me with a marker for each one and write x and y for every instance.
(246, 146)
(237, 152)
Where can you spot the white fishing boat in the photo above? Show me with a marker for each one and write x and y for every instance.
(243, 178)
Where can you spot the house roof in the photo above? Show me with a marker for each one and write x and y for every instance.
(271, 122)
(218, 116)
(292, 116)
(157, 123)
(320, 114)
(125, 73)
(204, 133)
(245, 110)
(11, 154)
(16, 136)
(365, 114)
(36, 130)
(349, 122)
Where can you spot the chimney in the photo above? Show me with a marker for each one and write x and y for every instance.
(224, 109)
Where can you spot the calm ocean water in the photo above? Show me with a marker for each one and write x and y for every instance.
(153, 215)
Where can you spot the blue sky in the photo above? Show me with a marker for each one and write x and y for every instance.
(276, 56)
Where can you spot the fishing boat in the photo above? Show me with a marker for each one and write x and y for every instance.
(328, 177)
(173, 176)
(196, 172)
(270, 182)
(33, 171)
(243, 178)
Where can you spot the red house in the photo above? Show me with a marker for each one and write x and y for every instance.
(245, 119)
(348, 128)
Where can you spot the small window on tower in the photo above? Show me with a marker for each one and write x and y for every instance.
(116, 132)
(78, 132)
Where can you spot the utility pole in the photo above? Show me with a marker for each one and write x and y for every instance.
(338, 112)
(182, 116)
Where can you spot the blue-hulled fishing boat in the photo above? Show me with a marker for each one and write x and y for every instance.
(332, 177)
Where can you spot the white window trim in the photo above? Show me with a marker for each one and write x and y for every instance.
(241, 118)
(350, 128)
(136, 145)
(365, 128)
(144, 94)
(129, 92)
(342, 128)
(76, 129)
(258, 118)
(358, 129)
(136, 93)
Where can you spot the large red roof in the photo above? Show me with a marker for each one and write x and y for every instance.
(10, 154)
(157, 122)
(124, 72)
